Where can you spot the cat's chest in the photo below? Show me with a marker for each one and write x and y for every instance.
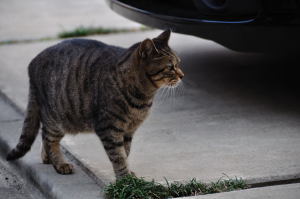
(136, 117)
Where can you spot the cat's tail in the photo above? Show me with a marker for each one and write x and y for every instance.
(30, 128)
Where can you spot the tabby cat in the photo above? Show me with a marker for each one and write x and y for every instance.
(82, 85)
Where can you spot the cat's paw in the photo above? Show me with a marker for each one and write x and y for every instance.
(46, 161)
(64, 168)
(132, 173)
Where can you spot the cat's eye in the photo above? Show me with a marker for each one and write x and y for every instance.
(171, 66)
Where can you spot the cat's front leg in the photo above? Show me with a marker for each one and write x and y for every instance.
(113, 143)
(127, 146)
(127, 143)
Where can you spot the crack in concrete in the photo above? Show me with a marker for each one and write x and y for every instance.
(10, 121)
(13, 105)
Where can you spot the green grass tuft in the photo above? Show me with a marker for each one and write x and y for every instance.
(131, 187)
(85, 31)
(77, 32)
(8, 42)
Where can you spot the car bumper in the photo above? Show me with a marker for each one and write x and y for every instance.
(253, 34)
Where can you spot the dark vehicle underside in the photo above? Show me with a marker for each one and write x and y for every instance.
(242, 25)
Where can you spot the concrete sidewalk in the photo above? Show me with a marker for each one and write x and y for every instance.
(34, 19)
(225, 121)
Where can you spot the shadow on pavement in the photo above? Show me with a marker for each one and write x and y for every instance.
(268, 80)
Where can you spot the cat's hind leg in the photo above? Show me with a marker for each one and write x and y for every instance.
(44, 155)
(51, 152)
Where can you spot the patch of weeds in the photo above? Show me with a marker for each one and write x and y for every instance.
(85, 31)
(131, 187)
(78, 32)
(17, 41)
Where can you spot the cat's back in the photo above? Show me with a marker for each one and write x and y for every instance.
(83, 44)
(73, 52)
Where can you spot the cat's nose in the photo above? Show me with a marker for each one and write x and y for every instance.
(180, 74)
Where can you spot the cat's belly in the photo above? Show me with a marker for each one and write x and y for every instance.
(134, 120)
(79, 127)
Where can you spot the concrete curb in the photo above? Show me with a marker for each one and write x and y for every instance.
(291, 191)
(53, 185)
(273, 180)
(65, 150)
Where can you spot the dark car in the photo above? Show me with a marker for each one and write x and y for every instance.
(242, 25)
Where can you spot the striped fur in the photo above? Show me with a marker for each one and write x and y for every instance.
(84, 85)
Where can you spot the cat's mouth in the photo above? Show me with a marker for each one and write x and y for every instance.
(174, 83)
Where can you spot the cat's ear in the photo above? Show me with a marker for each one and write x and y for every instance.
(164, 37)
(147, 48)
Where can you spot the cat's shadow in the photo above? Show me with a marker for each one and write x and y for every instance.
(271, 80)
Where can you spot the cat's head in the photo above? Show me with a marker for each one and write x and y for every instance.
(161, 64)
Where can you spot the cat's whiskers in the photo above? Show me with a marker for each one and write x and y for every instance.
(180, 88)
(162, 95)
(167, 91)
(171, 93)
